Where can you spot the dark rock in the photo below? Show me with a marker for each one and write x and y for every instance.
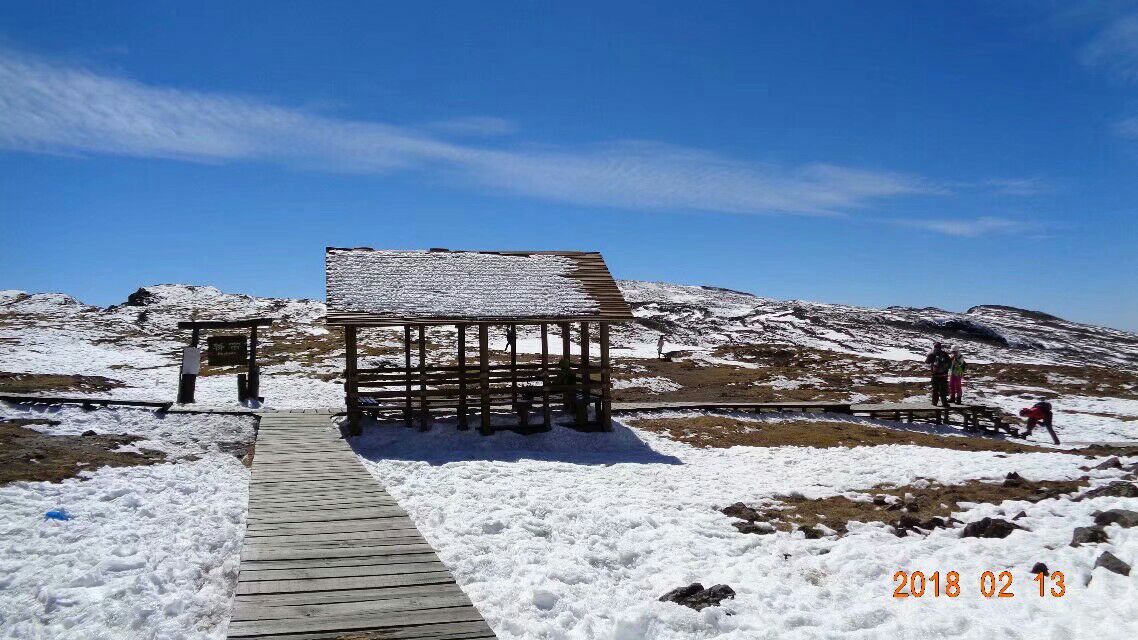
(741, 511)
(1121, 517)
(682, 593)
(812, 533)
(912, 506)
(141, 298)
(1088, 535)
(1119, 489)
(933, 523)
(696, 597)
(1113, 463)
(1021, 514)
(760, 528)
(989, 528)
(89, 432)
(1040, 568)
(879, 500)
(1110, 562)
(896, 506)
(1014, 480)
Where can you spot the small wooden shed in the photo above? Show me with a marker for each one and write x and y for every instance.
(471, 292)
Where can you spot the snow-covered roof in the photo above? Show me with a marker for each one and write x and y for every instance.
(369, 286)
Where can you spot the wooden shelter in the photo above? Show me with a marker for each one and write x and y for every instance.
(473, 291)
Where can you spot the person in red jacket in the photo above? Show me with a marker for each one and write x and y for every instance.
(1039, 413)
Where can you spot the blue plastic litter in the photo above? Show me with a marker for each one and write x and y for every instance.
(58, 514)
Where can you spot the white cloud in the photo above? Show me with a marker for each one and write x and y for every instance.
(1115, 48)
(475, 126)
(964, 227)
(1018, 186)
(1128, 127)
(48, 108)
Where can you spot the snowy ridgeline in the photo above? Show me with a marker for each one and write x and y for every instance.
(150, 551)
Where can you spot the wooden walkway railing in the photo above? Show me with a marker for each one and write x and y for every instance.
(971, 415)
(328, 553)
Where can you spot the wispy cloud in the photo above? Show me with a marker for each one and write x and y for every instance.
(1128, 127)
(964, 227)
(1115, 47)
(474, 126)
(50, 108)
(1018, 186)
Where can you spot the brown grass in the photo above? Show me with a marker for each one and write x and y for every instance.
(55, 382)
(27, 454)
(841, 374)
(722, 432)
(934, 501)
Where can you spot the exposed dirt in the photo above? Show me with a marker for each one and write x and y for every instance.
(891, 504)
(27, 454)
(56, 382)
(722, 432)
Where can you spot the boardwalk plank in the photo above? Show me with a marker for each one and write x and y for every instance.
(346, 623)
(329, 584)
(341, 609)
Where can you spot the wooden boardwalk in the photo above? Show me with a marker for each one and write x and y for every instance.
(329, 554)
(974, 415)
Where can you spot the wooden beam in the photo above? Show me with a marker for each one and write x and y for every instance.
(351, 381)
(225, 324)
(407, 412)
(424, 413)
(513, 339)
(605, 417)
(566, 354)
(484, 376)
(254, 373)
(582, 399)
(462, 410)
(546, 415)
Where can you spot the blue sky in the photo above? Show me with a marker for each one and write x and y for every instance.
(903, 153)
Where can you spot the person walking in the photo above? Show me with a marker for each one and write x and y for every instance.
(660, 348)
(939, 365)
(957, 367)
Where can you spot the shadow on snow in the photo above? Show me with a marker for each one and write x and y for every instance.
(443, 443)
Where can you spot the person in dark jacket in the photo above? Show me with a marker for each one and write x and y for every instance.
(939, 365)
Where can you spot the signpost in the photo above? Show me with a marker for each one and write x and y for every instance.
(191, 366)
(224, 351)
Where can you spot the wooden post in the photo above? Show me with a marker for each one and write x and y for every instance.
(351, 381)
(566, 345)
(513, 334)
(546, 417)
(462, 417)
(407, 411)
(605, 416)
(484, 376)
(583, 396)
(254, 374)
(424, 412)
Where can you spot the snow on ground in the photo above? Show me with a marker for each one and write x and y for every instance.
(655, 384)
(571, 535)
(151, 552)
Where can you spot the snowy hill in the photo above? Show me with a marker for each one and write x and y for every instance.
(722, 343)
